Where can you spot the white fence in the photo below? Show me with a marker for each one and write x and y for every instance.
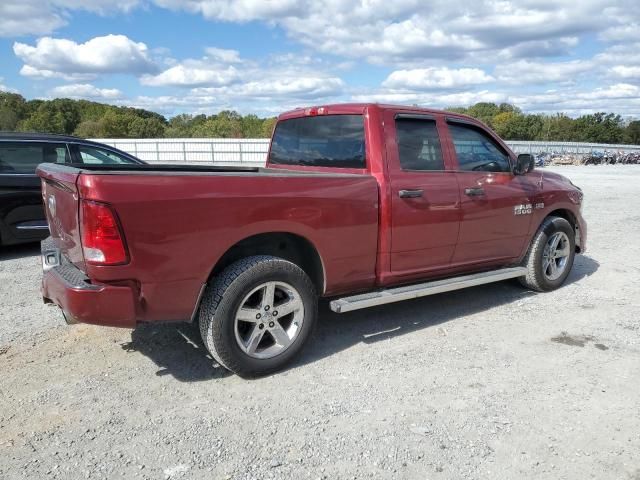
(253, 151)
(209, 151)
(569, 147)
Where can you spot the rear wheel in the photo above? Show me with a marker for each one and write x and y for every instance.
(257, 314)
(550, 256)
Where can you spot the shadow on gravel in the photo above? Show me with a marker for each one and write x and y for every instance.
(179, 351)
(14, 252)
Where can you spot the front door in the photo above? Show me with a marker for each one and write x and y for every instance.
(424, 196)
(496, 204)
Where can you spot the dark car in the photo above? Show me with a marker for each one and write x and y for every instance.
(22, 217)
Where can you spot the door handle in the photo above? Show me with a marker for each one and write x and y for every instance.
(474, 192)
(410, 193)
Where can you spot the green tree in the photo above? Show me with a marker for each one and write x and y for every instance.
(512, 125)
(632, 132)
(599, 127)
(89, 129)
(267, 127)
(557, 127)
(484, 112)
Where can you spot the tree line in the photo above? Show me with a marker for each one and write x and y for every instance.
(510, 123)
(88, 119)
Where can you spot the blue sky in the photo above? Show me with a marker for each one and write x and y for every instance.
(266, 56)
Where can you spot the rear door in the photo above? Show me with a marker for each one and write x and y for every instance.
(496, 204)
(22, 217)
(424, 195)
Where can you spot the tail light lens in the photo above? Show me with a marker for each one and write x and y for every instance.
(102, 240)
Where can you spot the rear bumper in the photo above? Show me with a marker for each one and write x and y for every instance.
(81, 301)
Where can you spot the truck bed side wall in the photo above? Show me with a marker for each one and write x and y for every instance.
(178, 226)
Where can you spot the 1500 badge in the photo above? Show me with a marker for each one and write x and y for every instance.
(524, 209)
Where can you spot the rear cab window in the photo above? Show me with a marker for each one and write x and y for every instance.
(335, 141)
(22, 158)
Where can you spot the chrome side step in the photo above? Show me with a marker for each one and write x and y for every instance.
(408, 292)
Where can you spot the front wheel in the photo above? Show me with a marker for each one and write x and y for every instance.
(550, 256)
(257, 314)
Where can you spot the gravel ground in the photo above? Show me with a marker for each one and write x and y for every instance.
(490, 382)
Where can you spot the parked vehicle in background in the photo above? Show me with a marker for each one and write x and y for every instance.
(22, 217)
(365, 203)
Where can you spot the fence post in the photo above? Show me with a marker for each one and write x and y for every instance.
(184, 151)
(157, 152)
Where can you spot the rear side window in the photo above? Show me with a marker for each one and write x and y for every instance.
(23, 158)
(418, 144)
(477, 151)
(321, 141)
(99, 156)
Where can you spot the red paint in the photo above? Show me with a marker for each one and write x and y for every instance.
(177, 225)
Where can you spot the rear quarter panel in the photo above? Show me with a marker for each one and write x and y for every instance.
(178, 226)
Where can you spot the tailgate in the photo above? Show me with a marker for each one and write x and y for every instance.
(61, 203)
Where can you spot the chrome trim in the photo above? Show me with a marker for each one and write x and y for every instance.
(398, 294)
(32, 227)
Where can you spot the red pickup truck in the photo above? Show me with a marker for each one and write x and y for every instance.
(365, 203)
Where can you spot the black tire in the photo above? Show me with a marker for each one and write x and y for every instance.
(533, 261)
(223, 298)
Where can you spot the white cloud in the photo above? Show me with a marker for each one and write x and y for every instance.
(223, 55)
(86, 91)
(432, 99)
(409, 31)
(295, 87)
(41, 17)
(237, 79)
(192, 74)
(4, 88)
(525, 72)
(623, 71)
(436, 78)
(57, 57)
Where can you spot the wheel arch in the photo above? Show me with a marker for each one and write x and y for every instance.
(570, 217)
(289, 246)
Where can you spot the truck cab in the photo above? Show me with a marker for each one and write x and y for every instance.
(452, 195)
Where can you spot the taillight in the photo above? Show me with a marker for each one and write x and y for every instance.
(102, 241)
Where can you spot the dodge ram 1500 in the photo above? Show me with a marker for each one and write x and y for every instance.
(364, 203)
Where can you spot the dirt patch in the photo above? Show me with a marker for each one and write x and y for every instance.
(573, 340)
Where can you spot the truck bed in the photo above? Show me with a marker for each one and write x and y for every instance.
(178, 221)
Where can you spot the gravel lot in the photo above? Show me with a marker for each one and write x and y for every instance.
(491, 382)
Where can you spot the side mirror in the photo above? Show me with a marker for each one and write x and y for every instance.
(524, 164)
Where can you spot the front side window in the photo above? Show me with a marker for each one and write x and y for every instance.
(418, 144)
(23, 158)
(320, 141)
(99, 156)
(477, 151)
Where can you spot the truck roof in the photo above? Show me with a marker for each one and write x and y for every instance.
(358, 108)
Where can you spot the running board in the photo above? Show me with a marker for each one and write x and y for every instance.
(408, 292)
